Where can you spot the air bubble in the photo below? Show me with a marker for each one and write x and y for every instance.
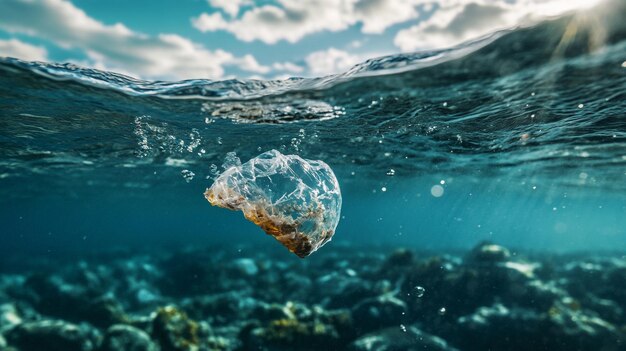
(436, 190)
(213, 169)
(187, 175)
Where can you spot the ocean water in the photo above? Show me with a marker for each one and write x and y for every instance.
(517, 139)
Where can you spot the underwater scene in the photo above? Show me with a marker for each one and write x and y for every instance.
(470, 198)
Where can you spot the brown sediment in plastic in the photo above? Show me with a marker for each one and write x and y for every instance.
(218, 200)
(285, 232)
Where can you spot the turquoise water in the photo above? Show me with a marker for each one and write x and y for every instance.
(518, 138)
(524, 128)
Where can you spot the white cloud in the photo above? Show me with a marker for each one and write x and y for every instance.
(209, 23)
(270, 23)
(456, 21)
(231, 7)
(452, 25)
(22, 50)
(377, 15)
(330, 61)
(170, 56)
(116, 47)
(250, 64)
(291, 20)
(355, 44)
(452, 21)
(287, 67)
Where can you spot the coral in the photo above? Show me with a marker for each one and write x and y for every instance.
(304, 329)
(174, 330)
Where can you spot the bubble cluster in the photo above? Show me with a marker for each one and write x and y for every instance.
(187, 175)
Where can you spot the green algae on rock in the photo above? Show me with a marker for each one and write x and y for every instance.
(296, 201)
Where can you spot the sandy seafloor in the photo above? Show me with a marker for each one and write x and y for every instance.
(344, 297)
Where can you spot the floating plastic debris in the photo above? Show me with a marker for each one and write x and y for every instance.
(296, 201)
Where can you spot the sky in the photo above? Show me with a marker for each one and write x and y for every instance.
(264, 39)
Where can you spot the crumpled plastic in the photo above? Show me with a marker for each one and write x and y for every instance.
(296, 201)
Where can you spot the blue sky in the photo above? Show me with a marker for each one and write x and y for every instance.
(219, 39)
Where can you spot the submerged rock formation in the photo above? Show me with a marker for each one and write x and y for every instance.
(350, 298)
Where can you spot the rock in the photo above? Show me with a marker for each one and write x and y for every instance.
(246, 266)
(562, 328)
(189, 273)
(339, 289)
(221, 308)
(266, 312)
(513, 327)
(607, 309)
(51, 335)
(616, 280)
(53, 296)
(574, 327)
(303, 329)
(488, 253)
(379, 312)
(103, 312)
(122, 337)
(396, 264)
(146, 297)
(134, 281)
(9, 317)
(400, 257)
(173, 330)
(448, 285)
(482, 281)
(9, 283)
(142, 322)
(364, 296)
(296, 201)
(532, 294)
(398, 338)
(292, 285)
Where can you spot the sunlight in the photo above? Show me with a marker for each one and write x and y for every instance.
(557, 7)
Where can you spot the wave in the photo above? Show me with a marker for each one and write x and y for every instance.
(545, 100)
(236, 89)
(533, 45)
